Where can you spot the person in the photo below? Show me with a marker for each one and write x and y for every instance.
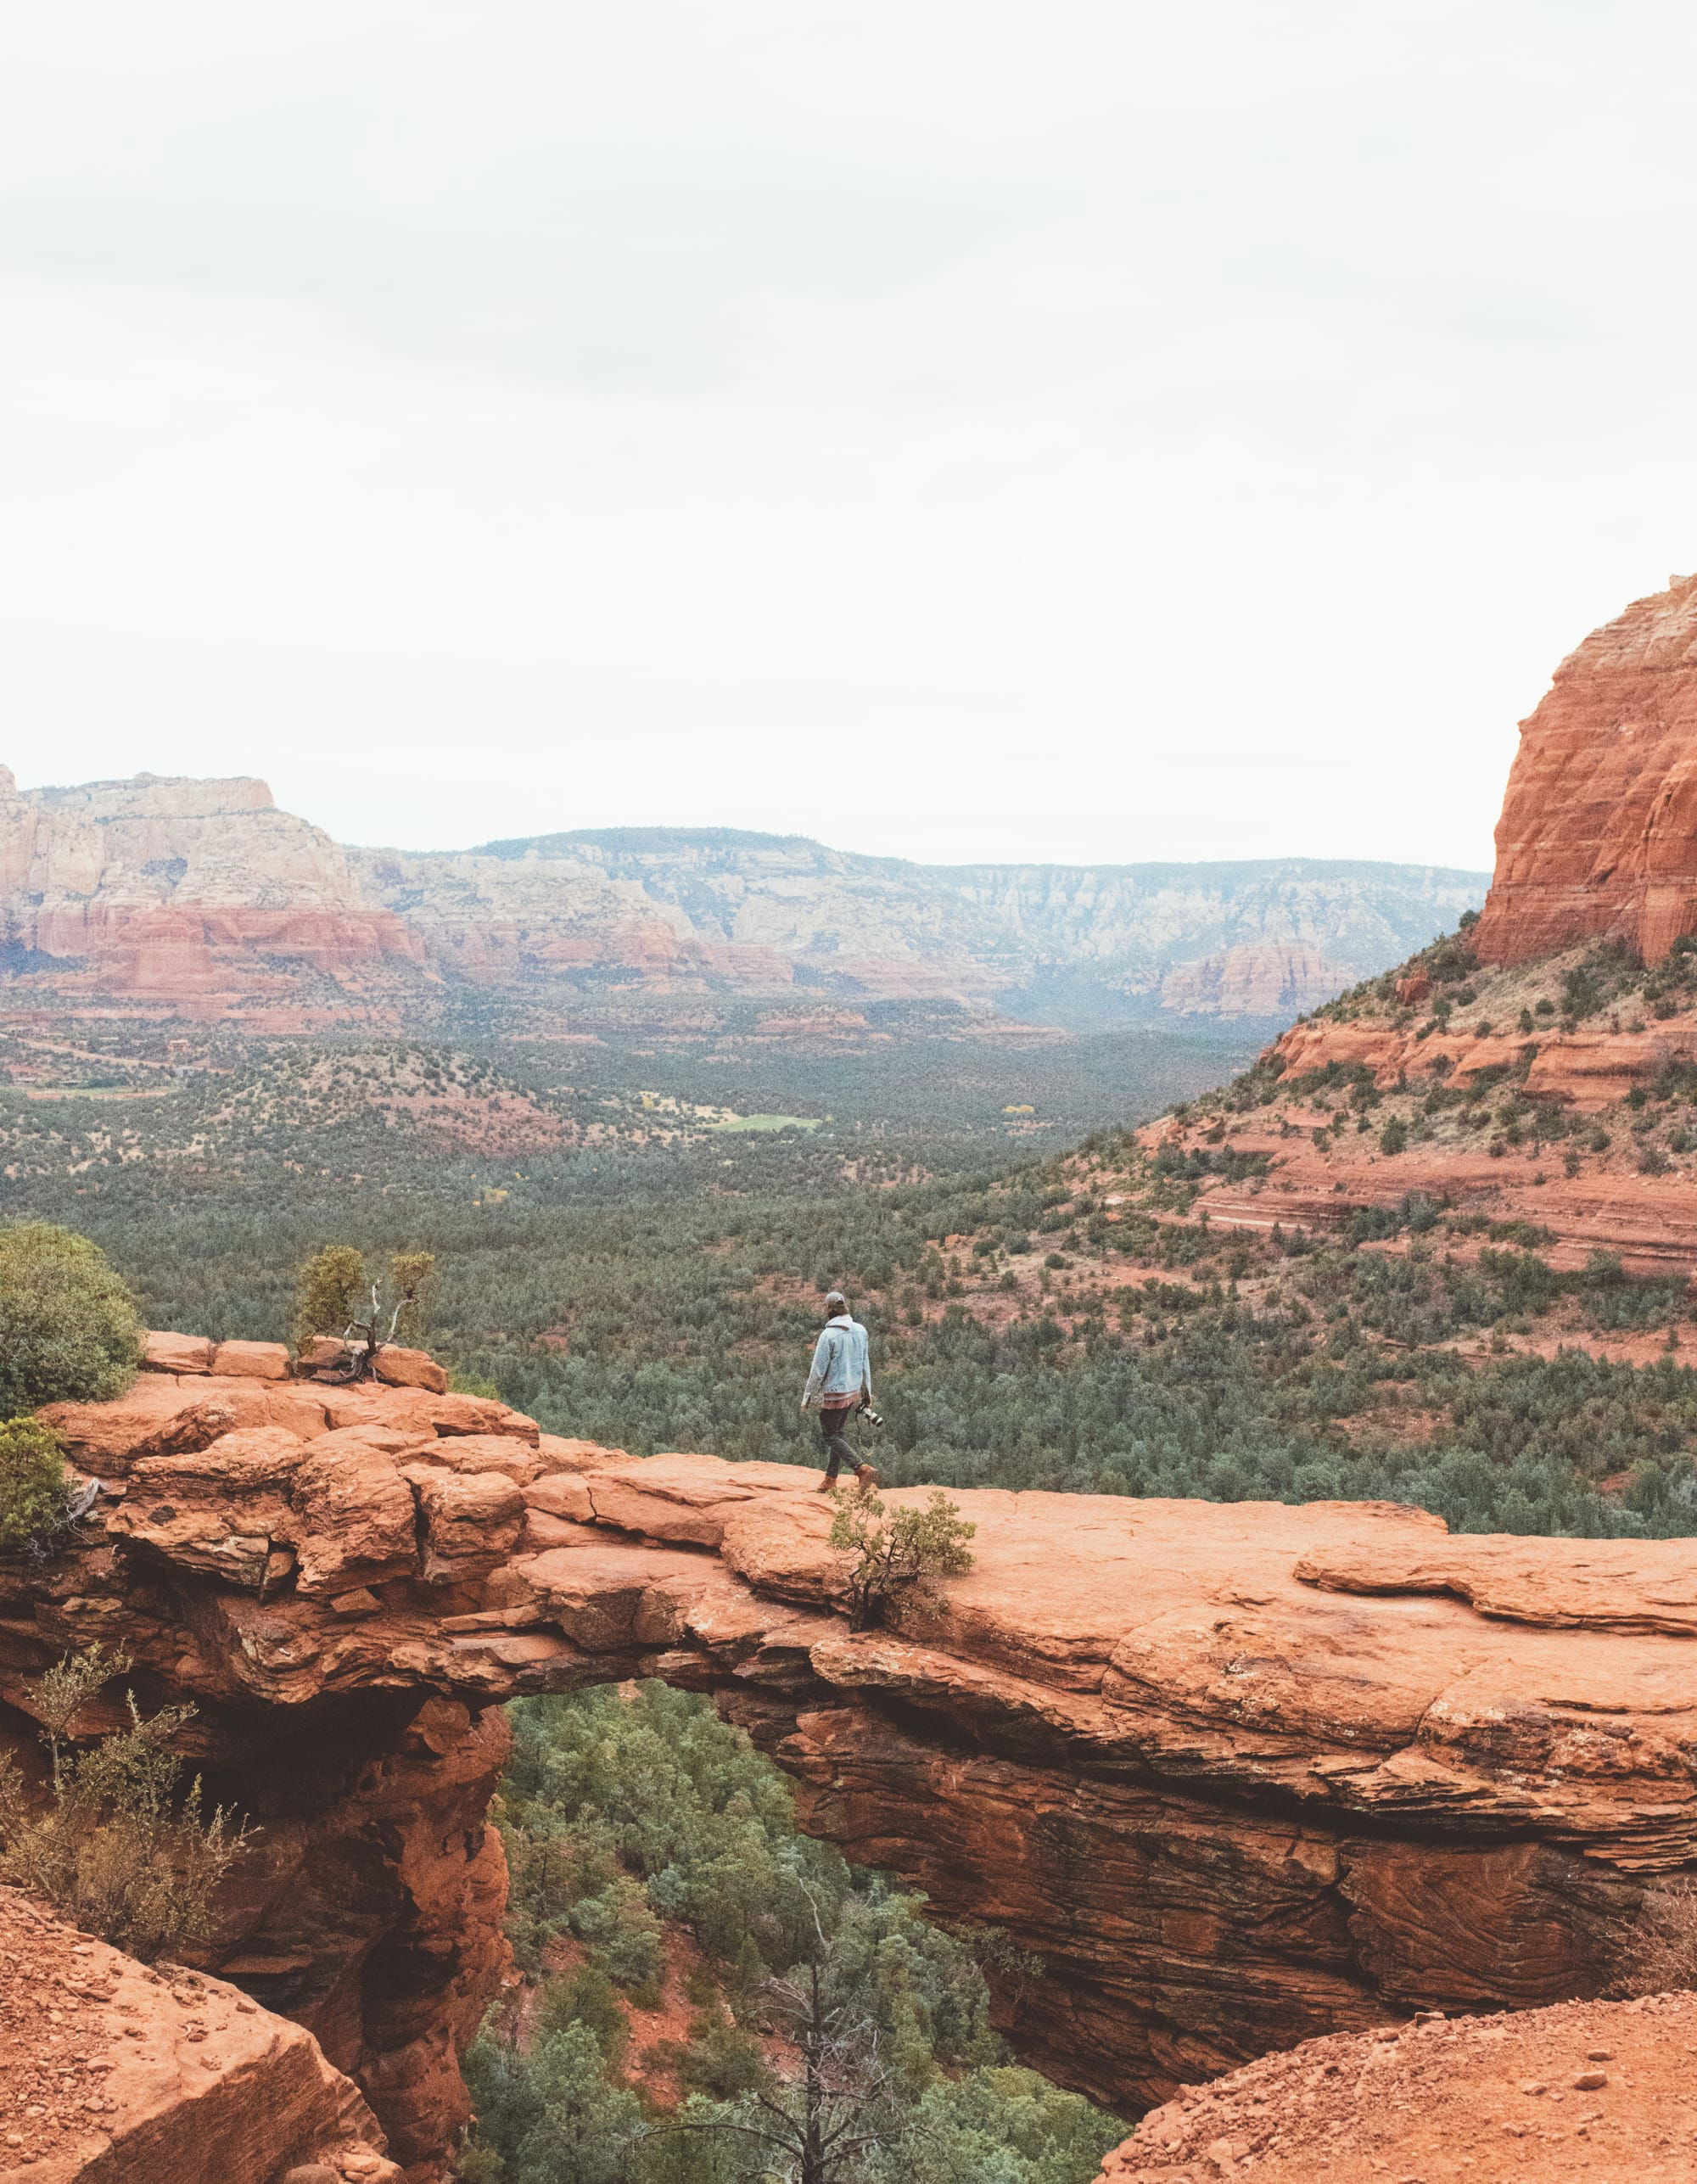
(840, 1381)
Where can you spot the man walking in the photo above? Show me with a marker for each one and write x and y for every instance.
(840, 1381)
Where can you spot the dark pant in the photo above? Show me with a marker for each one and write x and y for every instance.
(832, 1418)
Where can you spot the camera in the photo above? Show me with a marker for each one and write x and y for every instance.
(873, 1417)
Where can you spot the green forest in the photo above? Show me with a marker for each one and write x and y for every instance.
(655, 1866)
(660, 1288)
(663, 1294)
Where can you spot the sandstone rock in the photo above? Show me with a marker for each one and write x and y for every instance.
(1254, 978)
(137, 2080)
(605, 1604)
(176, 1353)
(563, 1495)
(1599, 832)
(1649, 1221)
(542, 1531)
(159, 1415)
(1238, 1774)
(557, 1453)
(187, 895)
(222, 1511)
(419, 1412)
(411, 1369)
(178, 890)
(354, 1517)
(322, 1354)
(469, 1452)
(258, 1361)
(683, 1498)
(471, 1519)
(1441, 2101)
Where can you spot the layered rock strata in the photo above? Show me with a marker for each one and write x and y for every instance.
(1237, 1775)
(200, 897)
(198, 892)
(1598, 832)
(111, 2073)
(1648, 1221)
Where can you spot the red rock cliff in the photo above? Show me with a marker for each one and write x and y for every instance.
(1599, 832)
(1238, 1775)
(179, 891)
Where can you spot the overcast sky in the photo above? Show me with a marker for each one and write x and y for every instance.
(1067, 429)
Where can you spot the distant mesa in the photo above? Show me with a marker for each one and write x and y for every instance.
(200, 899)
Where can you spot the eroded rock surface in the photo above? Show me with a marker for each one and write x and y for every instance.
(1239, 1775)
(1592, 2090)
(181, 891)
(1599, 832)
(114, 2073)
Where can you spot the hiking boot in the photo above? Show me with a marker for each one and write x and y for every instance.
(826, 1487)
(865, 1477)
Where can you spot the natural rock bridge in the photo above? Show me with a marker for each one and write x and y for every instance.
(1238, 1775)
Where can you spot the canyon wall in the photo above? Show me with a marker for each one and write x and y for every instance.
(190, 892)
(1598, 837)
(204, 896)
(1237, 1775)
(202, 899)
(1229, 939)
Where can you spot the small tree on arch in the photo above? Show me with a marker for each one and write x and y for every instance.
(905, 1552)
(336, 1297)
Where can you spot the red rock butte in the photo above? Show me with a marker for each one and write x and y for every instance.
(1598, 837)
(1239, 1775)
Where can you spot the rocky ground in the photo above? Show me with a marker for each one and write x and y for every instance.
(1601, 2091)
(115, 2073)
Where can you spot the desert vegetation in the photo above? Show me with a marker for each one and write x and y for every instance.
(711, 1998)
(68, 1324)
(116, 1838)
(1063, 1322)
(897, 1556)
(35, 1487)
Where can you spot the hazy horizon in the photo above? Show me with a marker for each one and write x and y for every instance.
(1096, 435)
(617, 834)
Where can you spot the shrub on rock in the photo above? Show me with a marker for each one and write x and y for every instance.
(906, 1553)
(35, 1487)
(68, 1331)
(117, 1844)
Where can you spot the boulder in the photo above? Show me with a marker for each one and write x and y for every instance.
(176, 1353)
(355, 1516)
(410, 1369)
(322, 1354)
(222, 1511)
(151, 2079)
(252, 1361)
(471, 1520)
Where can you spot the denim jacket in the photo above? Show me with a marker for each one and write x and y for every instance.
(842, 1361)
